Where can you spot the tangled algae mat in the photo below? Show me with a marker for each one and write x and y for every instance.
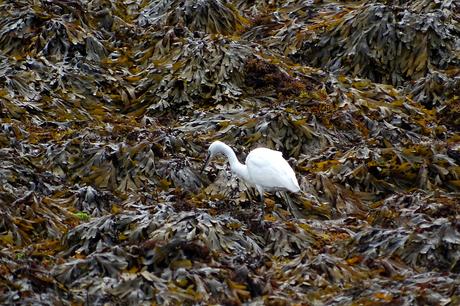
(107, 109)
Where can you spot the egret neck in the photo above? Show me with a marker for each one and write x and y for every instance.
(238, 168)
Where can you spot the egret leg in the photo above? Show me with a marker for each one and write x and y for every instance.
(291, 206)
(262, 200)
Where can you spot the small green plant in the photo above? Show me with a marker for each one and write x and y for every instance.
(20, 255)
(83, 216)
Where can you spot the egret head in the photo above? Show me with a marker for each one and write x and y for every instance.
(214, 149)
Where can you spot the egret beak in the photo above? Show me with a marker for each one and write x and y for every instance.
(205, 163)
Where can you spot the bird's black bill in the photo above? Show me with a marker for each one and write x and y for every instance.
(205, 163)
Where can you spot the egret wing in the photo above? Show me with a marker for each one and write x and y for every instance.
(268, 169)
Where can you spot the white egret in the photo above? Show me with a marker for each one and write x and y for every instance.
(265, 169)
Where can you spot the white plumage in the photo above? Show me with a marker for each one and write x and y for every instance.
(269, 171)
(265, 169)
